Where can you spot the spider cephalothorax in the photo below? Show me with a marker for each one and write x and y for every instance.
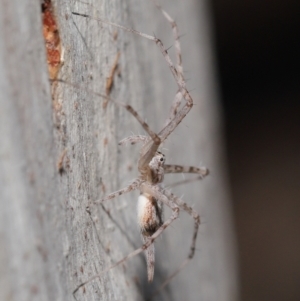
(156, 169)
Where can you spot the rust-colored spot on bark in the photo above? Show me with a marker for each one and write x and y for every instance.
(63, 162)
(52, 39)
(110, 79)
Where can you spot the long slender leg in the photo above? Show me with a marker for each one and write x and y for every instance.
(166, 131)
(155, 138)
(172, 168)
(149, 148)
(133, 139)
(134, 185)
(196, 217)
(150, 259)
(174, 201)
(174, 29)
(174, 108)
(177, 100)
(176, 38)
(175, 212)
(191, 212)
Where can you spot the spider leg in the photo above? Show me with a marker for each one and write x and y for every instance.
(182, 205)
(178, 97)
(154, 136)
(151, 147)
(170, 127)
(175, 212)
(150, 259)
(174, 108)
(176, 39)
(172, 168)
(134, 185)
(133, 139)
(177, 101)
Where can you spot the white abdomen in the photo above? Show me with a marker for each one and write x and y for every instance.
(149, 214)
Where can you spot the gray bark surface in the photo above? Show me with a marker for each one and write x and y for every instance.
(49, 244)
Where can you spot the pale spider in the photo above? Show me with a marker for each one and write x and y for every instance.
(152, 167)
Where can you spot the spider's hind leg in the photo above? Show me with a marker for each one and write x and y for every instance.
(175, 213)
(182, 205)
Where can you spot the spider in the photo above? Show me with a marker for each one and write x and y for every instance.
(151, 163)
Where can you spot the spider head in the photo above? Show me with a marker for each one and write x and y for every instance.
(157, 168)
(157, 161)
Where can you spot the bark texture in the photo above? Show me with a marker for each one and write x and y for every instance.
(49, 244)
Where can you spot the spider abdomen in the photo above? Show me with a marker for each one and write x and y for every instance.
(149, 214)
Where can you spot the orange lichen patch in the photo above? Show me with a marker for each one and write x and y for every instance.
(52, 40)
(110, 79)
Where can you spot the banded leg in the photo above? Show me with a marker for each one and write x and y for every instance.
(149, 148)
(152, 146)
(172, 168)
(150, 259)
(175, 213)
(174, 108)
(176, 38)
(182, 205)
(154, 136)
(133, 139)
(134, 185)
(177, 100)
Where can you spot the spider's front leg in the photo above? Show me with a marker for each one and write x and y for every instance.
(150, 147)
(172, 168)
(134, 185)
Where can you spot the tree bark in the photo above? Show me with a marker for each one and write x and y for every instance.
(49, 243)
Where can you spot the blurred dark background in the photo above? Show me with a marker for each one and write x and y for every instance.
(258, 48)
